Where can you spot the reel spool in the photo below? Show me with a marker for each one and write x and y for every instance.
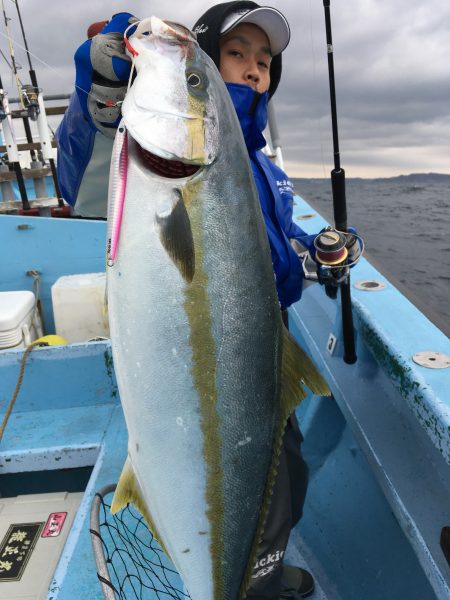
(330, 248)
(331, 254)
(31, 101)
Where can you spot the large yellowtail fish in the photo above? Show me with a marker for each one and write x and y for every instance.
(206, 371)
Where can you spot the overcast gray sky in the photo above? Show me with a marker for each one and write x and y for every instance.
(392, 75)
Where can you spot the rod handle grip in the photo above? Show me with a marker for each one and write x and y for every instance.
(339, 204)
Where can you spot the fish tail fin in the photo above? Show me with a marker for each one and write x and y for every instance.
(129, 490)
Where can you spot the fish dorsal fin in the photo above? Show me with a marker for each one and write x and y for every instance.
(127, 491)
(297, 369)
(176, 237)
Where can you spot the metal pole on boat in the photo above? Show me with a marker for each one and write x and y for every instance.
(275, 136)
(42, 123)
(339, 201)
(11, 147)
(8, 130)
(25, 120)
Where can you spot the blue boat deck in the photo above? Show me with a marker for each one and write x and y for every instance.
(46, 432)
(57, 424)
(378, 452)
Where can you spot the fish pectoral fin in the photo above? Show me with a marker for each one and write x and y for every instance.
(176, 237)
(128, 490)
(297, 370)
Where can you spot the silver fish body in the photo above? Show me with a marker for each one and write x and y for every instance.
(199, 349)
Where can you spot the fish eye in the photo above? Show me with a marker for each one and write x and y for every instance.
(194, 80)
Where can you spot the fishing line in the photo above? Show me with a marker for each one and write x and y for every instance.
(11, 53)
(319, 124)
(132, 52)
(7, 61)
(12, 72)
(130, 79)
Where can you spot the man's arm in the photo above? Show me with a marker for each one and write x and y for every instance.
(285, 212)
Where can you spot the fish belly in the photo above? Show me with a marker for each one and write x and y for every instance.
(153, 363)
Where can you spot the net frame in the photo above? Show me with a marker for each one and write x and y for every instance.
(130, 563)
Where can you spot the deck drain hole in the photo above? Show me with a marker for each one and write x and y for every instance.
(370, 285)
(432, 360)
(306, 217)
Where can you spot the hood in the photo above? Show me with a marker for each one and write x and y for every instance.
(251, 108)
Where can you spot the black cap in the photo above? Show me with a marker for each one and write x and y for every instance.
(208, 30)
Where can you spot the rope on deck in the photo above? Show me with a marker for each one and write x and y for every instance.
(130, 563)
(18, 384)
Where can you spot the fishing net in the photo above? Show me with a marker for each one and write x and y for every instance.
(130, 563)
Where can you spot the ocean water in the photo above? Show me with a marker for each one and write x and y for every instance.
(405, 223)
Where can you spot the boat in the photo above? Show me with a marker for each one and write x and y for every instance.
(376, 520)
(377, 514)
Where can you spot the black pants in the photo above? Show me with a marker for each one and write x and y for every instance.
(285, 511)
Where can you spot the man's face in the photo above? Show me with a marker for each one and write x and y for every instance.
(245, 57)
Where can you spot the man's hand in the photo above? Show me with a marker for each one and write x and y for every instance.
(354, 245)
(107, 91)
(332, 277)
(103, 69)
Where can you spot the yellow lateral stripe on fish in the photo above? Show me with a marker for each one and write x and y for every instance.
(204, 358)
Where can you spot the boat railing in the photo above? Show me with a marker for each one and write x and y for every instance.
(28, 155)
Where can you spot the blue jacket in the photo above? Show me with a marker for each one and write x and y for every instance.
(77, 140)
(275, 195)
(77, 134)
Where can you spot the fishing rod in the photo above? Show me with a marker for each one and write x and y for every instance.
(25, 92)
(339, 200)
(29, 97)
(15, 68)
(36, 110)
(11, 146)
(9, 131)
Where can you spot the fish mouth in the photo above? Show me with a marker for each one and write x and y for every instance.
(164, 167)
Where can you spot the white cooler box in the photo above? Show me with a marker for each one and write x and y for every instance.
(79, 307)
(19, 322)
